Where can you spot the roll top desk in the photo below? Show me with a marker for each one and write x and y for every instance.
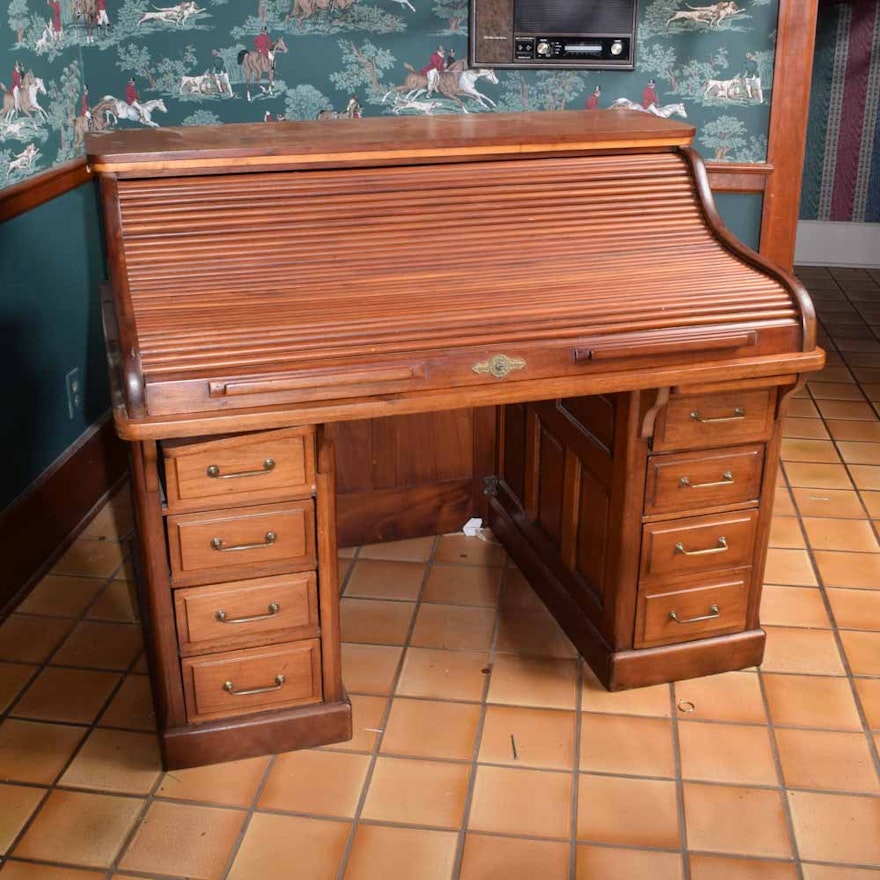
(568, 270)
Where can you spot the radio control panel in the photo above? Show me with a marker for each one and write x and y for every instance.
(609, 49)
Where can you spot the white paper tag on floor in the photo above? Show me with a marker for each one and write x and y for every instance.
(472, 527)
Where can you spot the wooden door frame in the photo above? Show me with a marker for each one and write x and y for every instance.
(789, 113)
(779, 179)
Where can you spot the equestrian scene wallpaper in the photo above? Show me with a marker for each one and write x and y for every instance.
(72, 66)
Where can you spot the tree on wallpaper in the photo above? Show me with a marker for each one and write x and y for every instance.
(713, 58)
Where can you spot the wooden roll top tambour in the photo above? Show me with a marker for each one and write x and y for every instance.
(371, 266)
(269, 283)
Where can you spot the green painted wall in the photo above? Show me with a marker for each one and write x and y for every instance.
(741, 213)
(49, 324)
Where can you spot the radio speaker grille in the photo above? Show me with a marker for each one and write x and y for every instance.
(598, 17)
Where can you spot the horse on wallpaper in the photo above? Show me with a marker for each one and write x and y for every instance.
(452, 83)
(87, 10)
(665, 111)
(114, 109)
(255, 64)
(31, 86)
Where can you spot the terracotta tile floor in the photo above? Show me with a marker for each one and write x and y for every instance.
(770, 773)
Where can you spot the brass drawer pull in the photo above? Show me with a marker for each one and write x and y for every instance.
(738, 414)
(721, 548)
(726, 480)
(271, 611)
(229, 687)
(214, 471)
(714, 611)
(217, 543)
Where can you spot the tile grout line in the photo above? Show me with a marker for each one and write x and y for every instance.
(679, 783)
(395, 679)
(478, 738)
(576, 769)
(249, 815)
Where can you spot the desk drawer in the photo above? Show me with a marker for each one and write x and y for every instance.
(249, 468)
(696, 544)
(693, 422)
(703, 479)
(707, 607)
(243, 682)
(217, 546)
(246, 613)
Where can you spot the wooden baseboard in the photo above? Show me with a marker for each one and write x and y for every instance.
(37, 528)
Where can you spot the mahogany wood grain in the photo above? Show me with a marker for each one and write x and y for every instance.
(738, 177)
(328, 572)
(216, 546)
(675, 548)
(247, 613)
(237, 683)
(41, 188)
(765, 514)
(404, 512)
(710, 656)
(684, 481)
(261, 418)
(266, 733)
(248, 469)
(709, 607)
(155, 588)
(229, 148)
(715, 420)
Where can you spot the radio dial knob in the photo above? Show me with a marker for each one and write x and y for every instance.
(543, 47)
(616, 47)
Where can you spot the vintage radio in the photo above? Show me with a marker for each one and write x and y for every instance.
(553, 33)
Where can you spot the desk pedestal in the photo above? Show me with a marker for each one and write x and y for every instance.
(640, 518)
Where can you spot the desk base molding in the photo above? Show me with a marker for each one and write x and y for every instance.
(254, 735)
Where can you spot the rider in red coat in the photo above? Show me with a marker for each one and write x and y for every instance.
(593, 100)
(436, 62)
(132, 99)
(649, 95)
(263, 45)
(56, 17)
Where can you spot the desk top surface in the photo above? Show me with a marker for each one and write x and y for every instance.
(262, 146)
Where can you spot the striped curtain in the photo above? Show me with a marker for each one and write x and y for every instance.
(842, 170)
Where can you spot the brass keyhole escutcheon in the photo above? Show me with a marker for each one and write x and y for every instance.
(499, 365)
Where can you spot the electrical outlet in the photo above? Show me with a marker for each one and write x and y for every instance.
(74, 393)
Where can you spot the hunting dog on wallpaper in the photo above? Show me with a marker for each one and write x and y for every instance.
(711, 16)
